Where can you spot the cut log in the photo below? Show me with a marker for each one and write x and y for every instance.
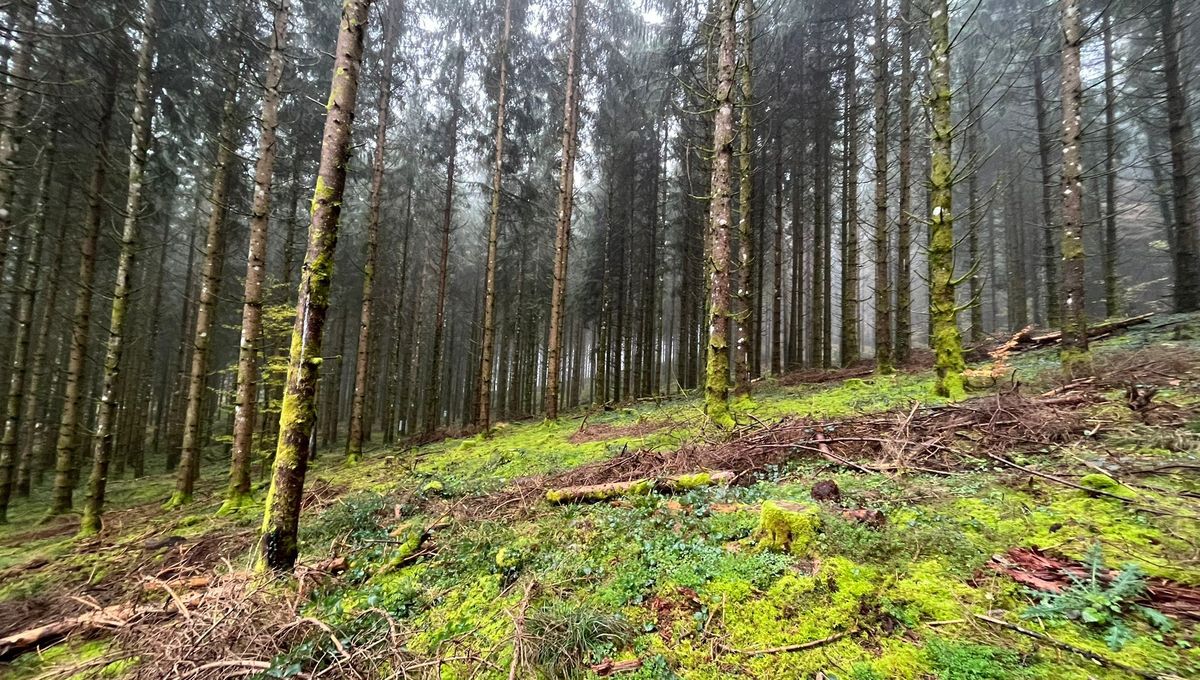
(638, 487)
(609, 667)
(1027, 341)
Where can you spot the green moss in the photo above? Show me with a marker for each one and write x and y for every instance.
(693, 481)
(1102, 482)
(785, 526)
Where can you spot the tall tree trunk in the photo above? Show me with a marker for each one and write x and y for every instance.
(65, 446)
(139, 146)
(238, 492)
(777, 324)
(483, 417)
(850, 306)
(1074, 348)
(434, 397)
(26, 294)
(974, 210)
(716, 387)
(278, 546)
(1112, 293)
(37, 414)
(12, 116)
(883, 285)
(1049, 229)
(354, 441)
(744, 314)
(946, 341)
(206, 306)
(904, 182)
(566, 202)
(1187, 247)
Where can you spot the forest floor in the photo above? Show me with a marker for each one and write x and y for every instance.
(1042, 528)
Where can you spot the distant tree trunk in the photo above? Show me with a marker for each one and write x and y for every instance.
(883, 286)
(566, 202)
(716, 388)
(12, 117)
(1187, 248)
(1112, 293)
(1050, 231)
(850, 307)
(139, 146)
(946, 341)
(395, 409)
(65, 446)
(278, 545)
(174, 417)
(1014, 259)
(434, 397)
(974, 211)
(483, 417)
(1074, 347)
(354, 441)
(237, 494)
(904, 181)
(36, 412)
(206, 305)
(744, 314)
(777, 324)
(26, 294)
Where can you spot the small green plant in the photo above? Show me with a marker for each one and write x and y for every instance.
(561, 638)
(1101, 603)
(962, 661)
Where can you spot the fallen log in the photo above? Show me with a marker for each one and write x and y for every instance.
(609, 667)
(638, 487)
(1026, 341)
(107, 618)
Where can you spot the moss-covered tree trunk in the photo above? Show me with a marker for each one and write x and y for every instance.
(483, 416)
(278, 544)
(720, 214)
(943, 310)
(903, 281)
(358, 403)
(237, 493)
(777, 321)
(73, 379)
(744, 314)
(139, 148)
(26, 295)
(884, 362)
(566, 204)
(1074, 347)
(206, 303)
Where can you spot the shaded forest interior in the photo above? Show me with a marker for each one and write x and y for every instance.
(246, 243)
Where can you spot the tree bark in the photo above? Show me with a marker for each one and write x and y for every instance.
(12, 117)
(26, 294)
(904, 181)
(744, 315)
(434, 397)
(238, 492)
(139, 146)
(946, 341)
(206, 305)
(1074, 350)
(1112, 293)
(716, 386)
(1049, 229)
(358, 404)
(65, 446)
(1187, 248)
(883, 286)
(566, 203)
(483, 417)
(850, 306)
(278, 545)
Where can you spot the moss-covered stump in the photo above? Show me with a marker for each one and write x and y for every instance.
(784, 526)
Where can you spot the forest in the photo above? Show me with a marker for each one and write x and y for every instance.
(568, 339)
